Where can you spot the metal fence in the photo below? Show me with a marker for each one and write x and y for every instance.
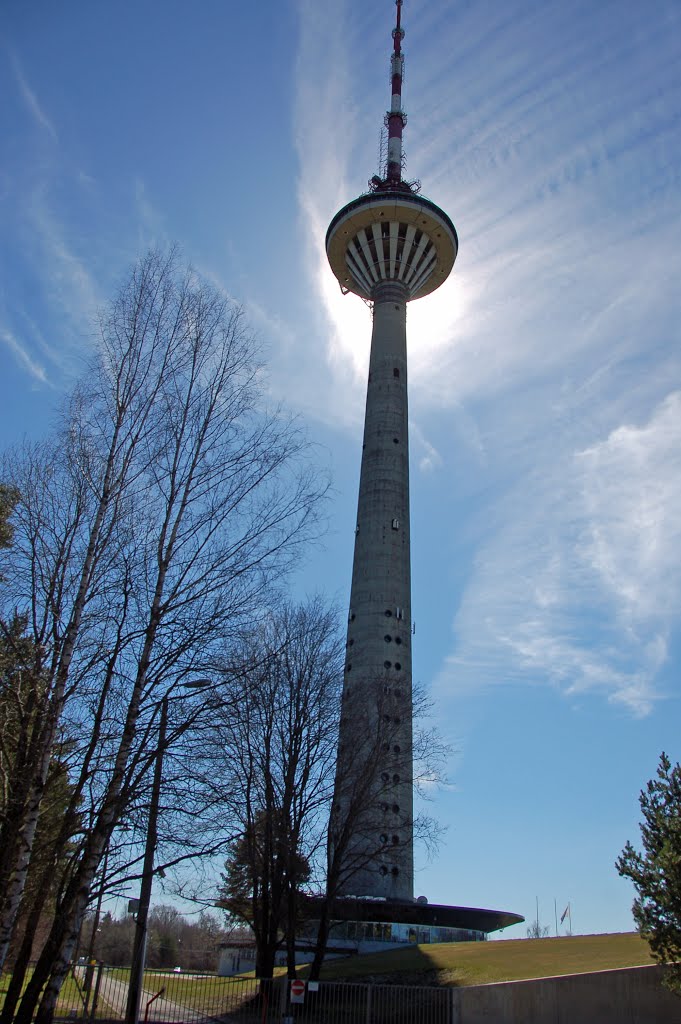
(97, 994)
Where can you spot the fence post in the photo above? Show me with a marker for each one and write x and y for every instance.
(95, 998)
(456, 1006)
(283, 995)
(368, 1013)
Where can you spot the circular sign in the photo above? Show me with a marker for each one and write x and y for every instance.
(297, 991)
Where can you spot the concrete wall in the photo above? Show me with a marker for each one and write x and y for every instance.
(631, 996)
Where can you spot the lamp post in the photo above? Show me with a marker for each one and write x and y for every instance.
(139, 948)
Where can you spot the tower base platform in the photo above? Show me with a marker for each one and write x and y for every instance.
(364, 924)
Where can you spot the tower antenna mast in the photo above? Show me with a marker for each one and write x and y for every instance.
(396, 119)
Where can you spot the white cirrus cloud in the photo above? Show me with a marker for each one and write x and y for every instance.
(631, 497)
(579, 580)
(31, 100)
(22, 356)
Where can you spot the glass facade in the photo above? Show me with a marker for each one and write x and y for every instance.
(378, 931)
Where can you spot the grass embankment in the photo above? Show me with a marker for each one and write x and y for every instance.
(481, 963)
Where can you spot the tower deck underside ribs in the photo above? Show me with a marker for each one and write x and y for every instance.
(391, 251)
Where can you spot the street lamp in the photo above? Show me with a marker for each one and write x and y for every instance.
(139, 948)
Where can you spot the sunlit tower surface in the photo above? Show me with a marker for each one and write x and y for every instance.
(390, 246)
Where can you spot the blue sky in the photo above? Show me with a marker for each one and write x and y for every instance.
(545, 385)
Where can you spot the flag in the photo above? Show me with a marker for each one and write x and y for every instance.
(564, 914)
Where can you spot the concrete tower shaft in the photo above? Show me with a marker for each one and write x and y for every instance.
(376, 724)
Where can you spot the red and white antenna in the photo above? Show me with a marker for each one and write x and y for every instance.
(396, 119)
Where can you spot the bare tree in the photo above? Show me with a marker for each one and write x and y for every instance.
(148, 530)
(282, 739)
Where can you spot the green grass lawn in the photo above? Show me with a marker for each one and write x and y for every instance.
(479, 963)
(69, 997)
(207, 994)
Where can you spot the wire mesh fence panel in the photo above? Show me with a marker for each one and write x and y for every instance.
(347, 1003)
(332, 1003)
(410, 1003)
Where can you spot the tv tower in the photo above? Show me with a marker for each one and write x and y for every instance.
(390, 246)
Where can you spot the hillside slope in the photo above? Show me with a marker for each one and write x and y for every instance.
(479, 963)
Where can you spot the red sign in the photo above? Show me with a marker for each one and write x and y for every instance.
(297, 991)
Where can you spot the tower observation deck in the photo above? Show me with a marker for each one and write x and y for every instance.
(390, 246)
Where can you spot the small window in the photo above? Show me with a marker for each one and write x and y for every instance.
(387, 638)
(396, 440)
(384, 807)
(387, 664)
(384, 838)
(348, 667)
(352, 616)
(396, 779)
(397, 666)
(396, 371)
(399, 613)
(398, 640)
(395, 524)
(397, 749)
(385, 777)
(350, 642)
(386, 689)
(383, 869)
(395, 808)
(394, 872)
(388, 614)
(395, 840)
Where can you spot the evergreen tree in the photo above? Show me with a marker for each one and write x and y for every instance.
(656, 872)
